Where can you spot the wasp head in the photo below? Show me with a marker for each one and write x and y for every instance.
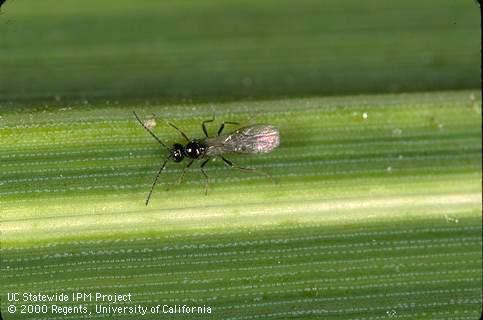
(177, 152)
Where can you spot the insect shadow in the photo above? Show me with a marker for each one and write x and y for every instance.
(253, 139)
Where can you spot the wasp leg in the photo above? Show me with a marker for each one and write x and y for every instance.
(234, 166)
(181, 132)
(181, 176)
(204, 174)
(223, 125)
(204, 126)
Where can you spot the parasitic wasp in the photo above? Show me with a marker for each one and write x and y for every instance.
(254, 139)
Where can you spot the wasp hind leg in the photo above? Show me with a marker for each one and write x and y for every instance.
(234, 166)
(223, 125)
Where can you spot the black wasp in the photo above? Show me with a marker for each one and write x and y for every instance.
(257, 138)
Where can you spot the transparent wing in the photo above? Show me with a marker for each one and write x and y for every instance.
(259, 138)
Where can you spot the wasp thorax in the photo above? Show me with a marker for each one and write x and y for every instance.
(177, 153)
(194, 149)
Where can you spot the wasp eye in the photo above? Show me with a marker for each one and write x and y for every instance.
(177, 153)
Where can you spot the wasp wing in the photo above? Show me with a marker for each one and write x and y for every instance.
(259, 138)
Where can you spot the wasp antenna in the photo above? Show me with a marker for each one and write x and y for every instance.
(179, 130)
(148, 130)
(156, 180)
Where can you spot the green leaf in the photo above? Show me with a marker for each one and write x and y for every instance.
(375, 211)
(118, 49)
